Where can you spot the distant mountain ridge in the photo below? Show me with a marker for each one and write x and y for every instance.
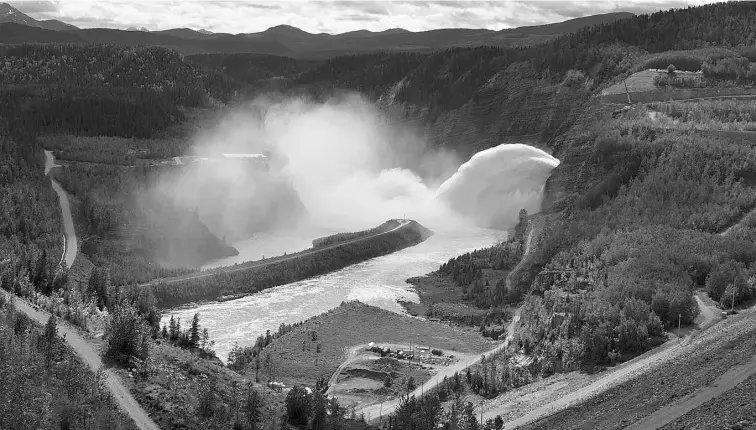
(285, 40)
(10, 14)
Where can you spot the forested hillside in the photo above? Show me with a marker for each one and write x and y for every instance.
(103, 89)
(128, 228)
(30, 221)
(635, 208)
(252, 68)
(473, 98)
(45, 385)
(118, 97)
(633, 211)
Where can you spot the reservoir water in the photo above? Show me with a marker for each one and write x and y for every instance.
(379, 282)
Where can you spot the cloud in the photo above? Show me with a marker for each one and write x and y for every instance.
(32, 7)
(359, 18)
(248, 16)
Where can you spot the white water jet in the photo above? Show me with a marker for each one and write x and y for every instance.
(496, 183)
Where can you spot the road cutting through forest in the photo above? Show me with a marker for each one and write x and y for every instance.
(89, 353)
(70, 241)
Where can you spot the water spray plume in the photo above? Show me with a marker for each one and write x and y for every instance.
(496, 183)
(349, 170)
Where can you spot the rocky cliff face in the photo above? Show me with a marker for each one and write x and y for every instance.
(512, 108)
(509, 108)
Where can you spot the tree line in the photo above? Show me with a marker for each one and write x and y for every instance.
(467, 269)
(344, 237)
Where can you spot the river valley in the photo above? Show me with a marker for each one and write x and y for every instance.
(379, 282)
(493, 185)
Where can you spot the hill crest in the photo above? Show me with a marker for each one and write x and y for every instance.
(286, 40)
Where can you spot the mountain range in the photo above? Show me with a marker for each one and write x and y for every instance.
(16, 27)
(10, 14)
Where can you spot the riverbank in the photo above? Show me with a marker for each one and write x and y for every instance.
(259, 275)
(473, 289)
(441, 299)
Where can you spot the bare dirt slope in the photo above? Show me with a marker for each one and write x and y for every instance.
(691, 371)
(677, 409)
(734, 409)
(521, 409)
(89, 353)
(372, 411)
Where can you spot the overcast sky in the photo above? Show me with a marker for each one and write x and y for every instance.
(242, 16)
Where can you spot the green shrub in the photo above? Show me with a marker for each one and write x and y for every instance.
(126, 334)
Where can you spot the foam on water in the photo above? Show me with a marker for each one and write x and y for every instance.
(379, 282)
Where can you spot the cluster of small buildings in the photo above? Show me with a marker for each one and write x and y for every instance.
(276, 386)
(416, 354)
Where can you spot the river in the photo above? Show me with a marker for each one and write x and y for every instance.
(379, 282)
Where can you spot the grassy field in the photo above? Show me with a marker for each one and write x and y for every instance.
(637, 82)
(319, 346)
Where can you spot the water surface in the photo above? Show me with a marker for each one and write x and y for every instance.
(379, 282)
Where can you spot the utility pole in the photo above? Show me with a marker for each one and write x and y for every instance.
(732, 309)
(380, 416)
(627, 92)
(679, 319)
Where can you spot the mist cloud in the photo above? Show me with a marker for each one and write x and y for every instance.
(343, 166)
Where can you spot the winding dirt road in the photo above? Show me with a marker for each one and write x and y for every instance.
(740, 221)
(528, 245)
(275, 260)
(89, 354)
(70, 241)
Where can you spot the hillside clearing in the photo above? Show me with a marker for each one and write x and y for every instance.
(296, 359)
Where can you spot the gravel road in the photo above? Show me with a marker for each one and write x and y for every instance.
(70, 241)
(89, 353)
